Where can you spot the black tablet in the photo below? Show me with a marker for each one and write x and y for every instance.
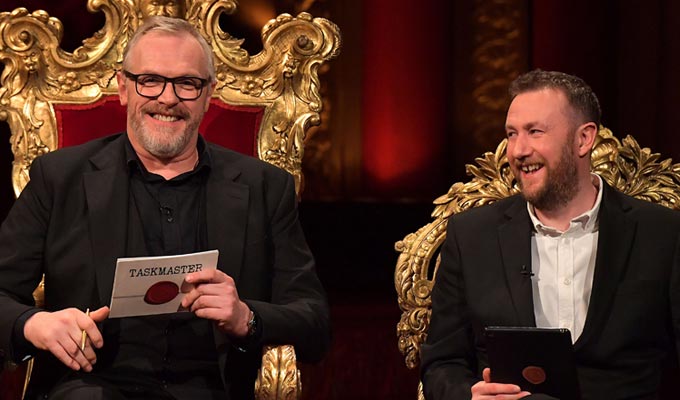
(539, 360)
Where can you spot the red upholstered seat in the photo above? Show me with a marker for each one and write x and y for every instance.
(234, 127)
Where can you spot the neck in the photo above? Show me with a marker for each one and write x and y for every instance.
(171, 167)
(560, 218)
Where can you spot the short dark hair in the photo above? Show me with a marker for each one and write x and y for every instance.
(578, 93)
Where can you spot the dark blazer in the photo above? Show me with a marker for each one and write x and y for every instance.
(633, 318)
(70, 223)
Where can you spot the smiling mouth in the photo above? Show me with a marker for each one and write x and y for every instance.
(530, 168)
(164, 118)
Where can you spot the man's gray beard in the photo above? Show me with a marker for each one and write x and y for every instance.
(164, 144)
(561, 184)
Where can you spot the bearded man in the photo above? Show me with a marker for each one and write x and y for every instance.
(158, 189)
(569, 252)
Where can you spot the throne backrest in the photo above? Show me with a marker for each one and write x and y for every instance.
(622, 164)
(262, 106)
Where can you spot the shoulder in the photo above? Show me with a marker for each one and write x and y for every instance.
(249, 168)
(492, 213)
(642, 211)
(480, 223)
(80, 153)
(75, 160)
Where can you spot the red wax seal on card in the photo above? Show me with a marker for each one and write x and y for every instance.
(161, 292)
(534, 375)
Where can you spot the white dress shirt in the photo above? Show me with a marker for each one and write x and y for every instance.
(563, 264)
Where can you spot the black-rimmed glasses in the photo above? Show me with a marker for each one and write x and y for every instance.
(152, 86)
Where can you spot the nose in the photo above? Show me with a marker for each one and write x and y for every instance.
(518, 146)
(168, 95)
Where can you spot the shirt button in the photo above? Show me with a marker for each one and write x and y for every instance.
(567, 281)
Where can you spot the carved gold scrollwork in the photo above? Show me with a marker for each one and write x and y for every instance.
(283, 77)
(279, 377)
(623, 164)
(38, 72)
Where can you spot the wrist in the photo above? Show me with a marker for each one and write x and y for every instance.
(250, 340)
(251, 324)
(29, 321)
(247, 324)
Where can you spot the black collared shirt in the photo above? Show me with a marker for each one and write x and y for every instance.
(171, 212)
(172, 352)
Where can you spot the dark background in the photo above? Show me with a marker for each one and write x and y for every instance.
(417, 92)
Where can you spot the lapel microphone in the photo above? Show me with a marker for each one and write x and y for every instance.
(165, 210)
(526, 271)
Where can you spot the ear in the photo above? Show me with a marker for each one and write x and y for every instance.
(122, 89)
(585, 137)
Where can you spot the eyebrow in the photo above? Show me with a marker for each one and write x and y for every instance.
(171, 77)
(526, 126)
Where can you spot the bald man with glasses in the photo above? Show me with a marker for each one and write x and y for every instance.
(158, 189)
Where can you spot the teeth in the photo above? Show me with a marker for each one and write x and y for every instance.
(166, 118)
(530, 168)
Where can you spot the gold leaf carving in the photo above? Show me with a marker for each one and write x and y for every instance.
(279, 377)
(283, 77)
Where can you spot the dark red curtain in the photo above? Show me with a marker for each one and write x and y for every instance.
(404, 105)
(628, 51)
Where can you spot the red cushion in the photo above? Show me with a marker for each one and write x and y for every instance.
(234, 127)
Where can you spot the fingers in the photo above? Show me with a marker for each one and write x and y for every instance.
(68, 352)
(65, 345)
(207, 295)
(60, 333)
(87, 324)
(207, 276)
(486, 374)
(500, 397)
(84, 357)
(186, 287)
(214, 296)
(100, 314)
(216, 306)
(209, 282)
(488, 390)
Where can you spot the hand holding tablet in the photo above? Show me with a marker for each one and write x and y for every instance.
(538, 360)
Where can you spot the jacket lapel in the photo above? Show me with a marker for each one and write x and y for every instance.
(616, 234)
(515, 242)
(106, 191)
(227, 215)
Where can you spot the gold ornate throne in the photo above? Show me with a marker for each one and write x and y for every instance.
(267, 100)
(623, 164)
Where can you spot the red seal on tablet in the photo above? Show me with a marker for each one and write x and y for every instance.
(534, 375)
(161, 292)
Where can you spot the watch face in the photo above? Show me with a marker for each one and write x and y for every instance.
(252, 324)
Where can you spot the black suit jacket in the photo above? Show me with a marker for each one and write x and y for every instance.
(70, 223)
(633, 318)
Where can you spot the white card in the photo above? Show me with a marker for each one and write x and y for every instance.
(152, 285)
